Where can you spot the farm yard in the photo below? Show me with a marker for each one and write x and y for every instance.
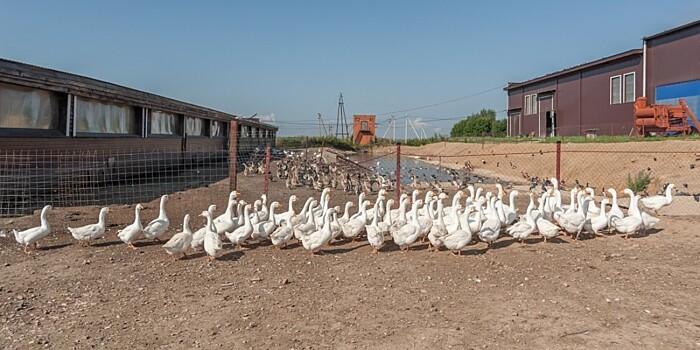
(597, 292)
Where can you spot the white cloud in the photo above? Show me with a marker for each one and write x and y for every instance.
(267, 118)
(418, 123)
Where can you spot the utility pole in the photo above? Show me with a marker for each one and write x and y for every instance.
(405, 130)
(319, 124)
(341, 122)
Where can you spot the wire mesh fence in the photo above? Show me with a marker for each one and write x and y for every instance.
(595, 159)
(31, 179)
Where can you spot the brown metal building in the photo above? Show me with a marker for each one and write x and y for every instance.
(69, 140)
(597, 97)
(42, 108)
(364, 128)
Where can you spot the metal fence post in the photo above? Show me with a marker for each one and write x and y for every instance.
(398, 174)
(233, 155)
(558, 161)
(267, 169)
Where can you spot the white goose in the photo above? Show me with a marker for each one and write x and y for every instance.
(630, 224)
(212, 240)
(375, 236)
(90, 232)
(346, 215)
(655, 203)
(360, 200)
(255, 214)
(225, 222)
(476, 218)
(318, 211)
(282, 234)
(287, 215)
(592, 208)
(243, 232)
(456, 240)
(426, 222)
(396, 213)
(302, 217)
(32, 235)
(198, 236)
(408, 233)
(158, 226)
(262, 230)
(648, 221)
(491, 228)
(573, 222)
(615, 211)
(335, 227)
(385, 224)
(317, 239)
(438, 230)
(523, 229)
(180, 242)
(131, 232)
(598, 222)
(309, 226)
(354, 227)
(264, 212)
(510, 212)
(546, 228)
(400, 220)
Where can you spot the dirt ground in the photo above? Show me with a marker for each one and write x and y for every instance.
(599, 293)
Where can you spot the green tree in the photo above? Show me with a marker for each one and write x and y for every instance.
(482, 122)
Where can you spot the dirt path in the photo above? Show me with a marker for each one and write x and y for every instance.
(602, 293)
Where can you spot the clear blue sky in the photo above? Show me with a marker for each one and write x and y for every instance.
(290, 59)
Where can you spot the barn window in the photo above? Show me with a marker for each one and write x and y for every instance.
(27, 108)
(195, 127)
(92, 116)
(629, 87)
(163, 123)
(217, 129)
(527, 104)
(615, 90)
(531, 104)
(364, 126)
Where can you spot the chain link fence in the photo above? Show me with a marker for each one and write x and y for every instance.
(31, 179)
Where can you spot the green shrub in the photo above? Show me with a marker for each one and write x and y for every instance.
(640, 182)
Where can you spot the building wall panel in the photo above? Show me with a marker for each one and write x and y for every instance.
(597, 112)
(567, 105)
(673, 58)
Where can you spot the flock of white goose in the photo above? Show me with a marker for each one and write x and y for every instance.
(317, 224)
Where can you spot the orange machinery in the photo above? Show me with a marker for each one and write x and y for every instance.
(663, 118)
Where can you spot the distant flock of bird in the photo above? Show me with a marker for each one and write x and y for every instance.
(468, 216)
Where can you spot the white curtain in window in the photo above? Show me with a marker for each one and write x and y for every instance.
(216, 129)
(164, 123)
(101, 117)
(22, 107)
(195, 126)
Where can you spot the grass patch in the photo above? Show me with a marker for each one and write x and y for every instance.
(314, 142)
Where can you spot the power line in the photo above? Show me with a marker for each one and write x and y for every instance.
(445, 102)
